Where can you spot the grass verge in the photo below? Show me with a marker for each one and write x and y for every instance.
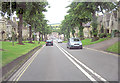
(114, 48)
(12, 52)
(88, 41)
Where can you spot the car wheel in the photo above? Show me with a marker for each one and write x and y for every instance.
(80, 47)
(69, 47)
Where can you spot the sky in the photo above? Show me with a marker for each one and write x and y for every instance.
(57, 10)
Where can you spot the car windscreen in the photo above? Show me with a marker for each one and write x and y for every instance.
(76, 40)
(49, 41)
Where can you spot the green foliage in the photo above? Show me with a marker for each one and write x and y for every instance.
(12, 52)
(102, 35)
(94, 26)
(114, 48)
(82, 13)
(81, 32)
(31, 12)
(75, 18)
(109, 35)
(89, 41)
(95, 39)
(102, 29)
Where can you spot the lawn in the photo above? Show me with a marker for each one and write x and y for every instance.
(114, 48)
(88, 41)
(12, 52)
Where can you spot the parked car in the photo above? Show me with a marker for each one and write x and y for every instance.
(49, 42)
(59, 41)
(74, 43)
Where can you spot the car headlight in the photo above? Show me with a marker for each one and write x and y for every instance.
(80, 43)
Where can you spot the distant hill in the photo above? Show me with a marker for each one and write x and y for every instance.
(55, 24)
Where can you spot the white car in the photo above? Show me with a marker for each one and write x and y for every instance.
(74, 43)
(59, 41)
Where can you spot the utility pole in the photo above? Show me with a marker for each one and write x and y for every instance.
(10, 11)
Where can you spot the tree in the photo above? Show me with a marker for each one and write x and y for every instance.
(76, 18)
(92, 8)
(82, 12)
(21, 8)
(32, 16)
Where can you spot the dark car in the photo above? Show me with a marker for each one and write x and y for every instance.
(49, 42)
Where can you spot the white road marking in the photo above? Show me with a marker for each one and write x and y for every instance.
(101, 51)
(90, 70)
(25, 66)
(79, 67)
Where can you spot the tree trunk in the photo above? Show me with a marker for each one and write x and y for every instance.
(35, 33)
(20, 29)
(94, 24)
(68, 33)
(94, 27)
(81, 31)
(73, 32)
(30, 34)
(42, 36)
(39, 38)
(13, 38)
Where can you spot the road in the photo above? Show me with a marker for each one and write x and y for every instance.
(57, 63)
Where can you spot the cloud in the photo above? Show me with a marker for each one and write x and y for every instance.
(57, 11)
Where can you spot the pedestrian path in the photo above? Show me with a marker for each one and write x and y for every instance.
(104, 44)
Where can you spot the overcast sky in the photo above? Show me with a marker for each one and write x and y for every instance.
(57, 10)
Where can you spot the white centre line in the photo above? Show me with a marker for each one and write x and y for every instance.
(86, 67)
(79, 67)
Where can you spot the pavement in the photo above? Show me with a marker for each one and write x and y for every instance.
(58, 63)
(104, 44)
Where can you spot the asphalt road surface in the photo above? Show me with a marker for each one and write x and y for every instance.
(58, 63)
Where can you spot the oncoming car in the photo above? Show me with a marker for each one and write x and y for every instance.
(74, 43)
(49, 42)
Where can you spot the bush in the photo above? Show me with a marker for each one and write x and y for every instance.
(9, 38)
(108, 35)
(102, 35)
(95, 39)
(82, 38)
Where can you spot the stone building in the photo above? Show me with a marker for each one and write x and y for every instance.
(109, 23)
(7, 27)
(87, 29)
(3, 29)
(25, 32)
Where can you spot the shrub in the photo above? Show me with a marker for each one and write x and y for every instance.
(102, 35)
(95, 39)
(108, 35)
(9, 38)
(82, 38)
